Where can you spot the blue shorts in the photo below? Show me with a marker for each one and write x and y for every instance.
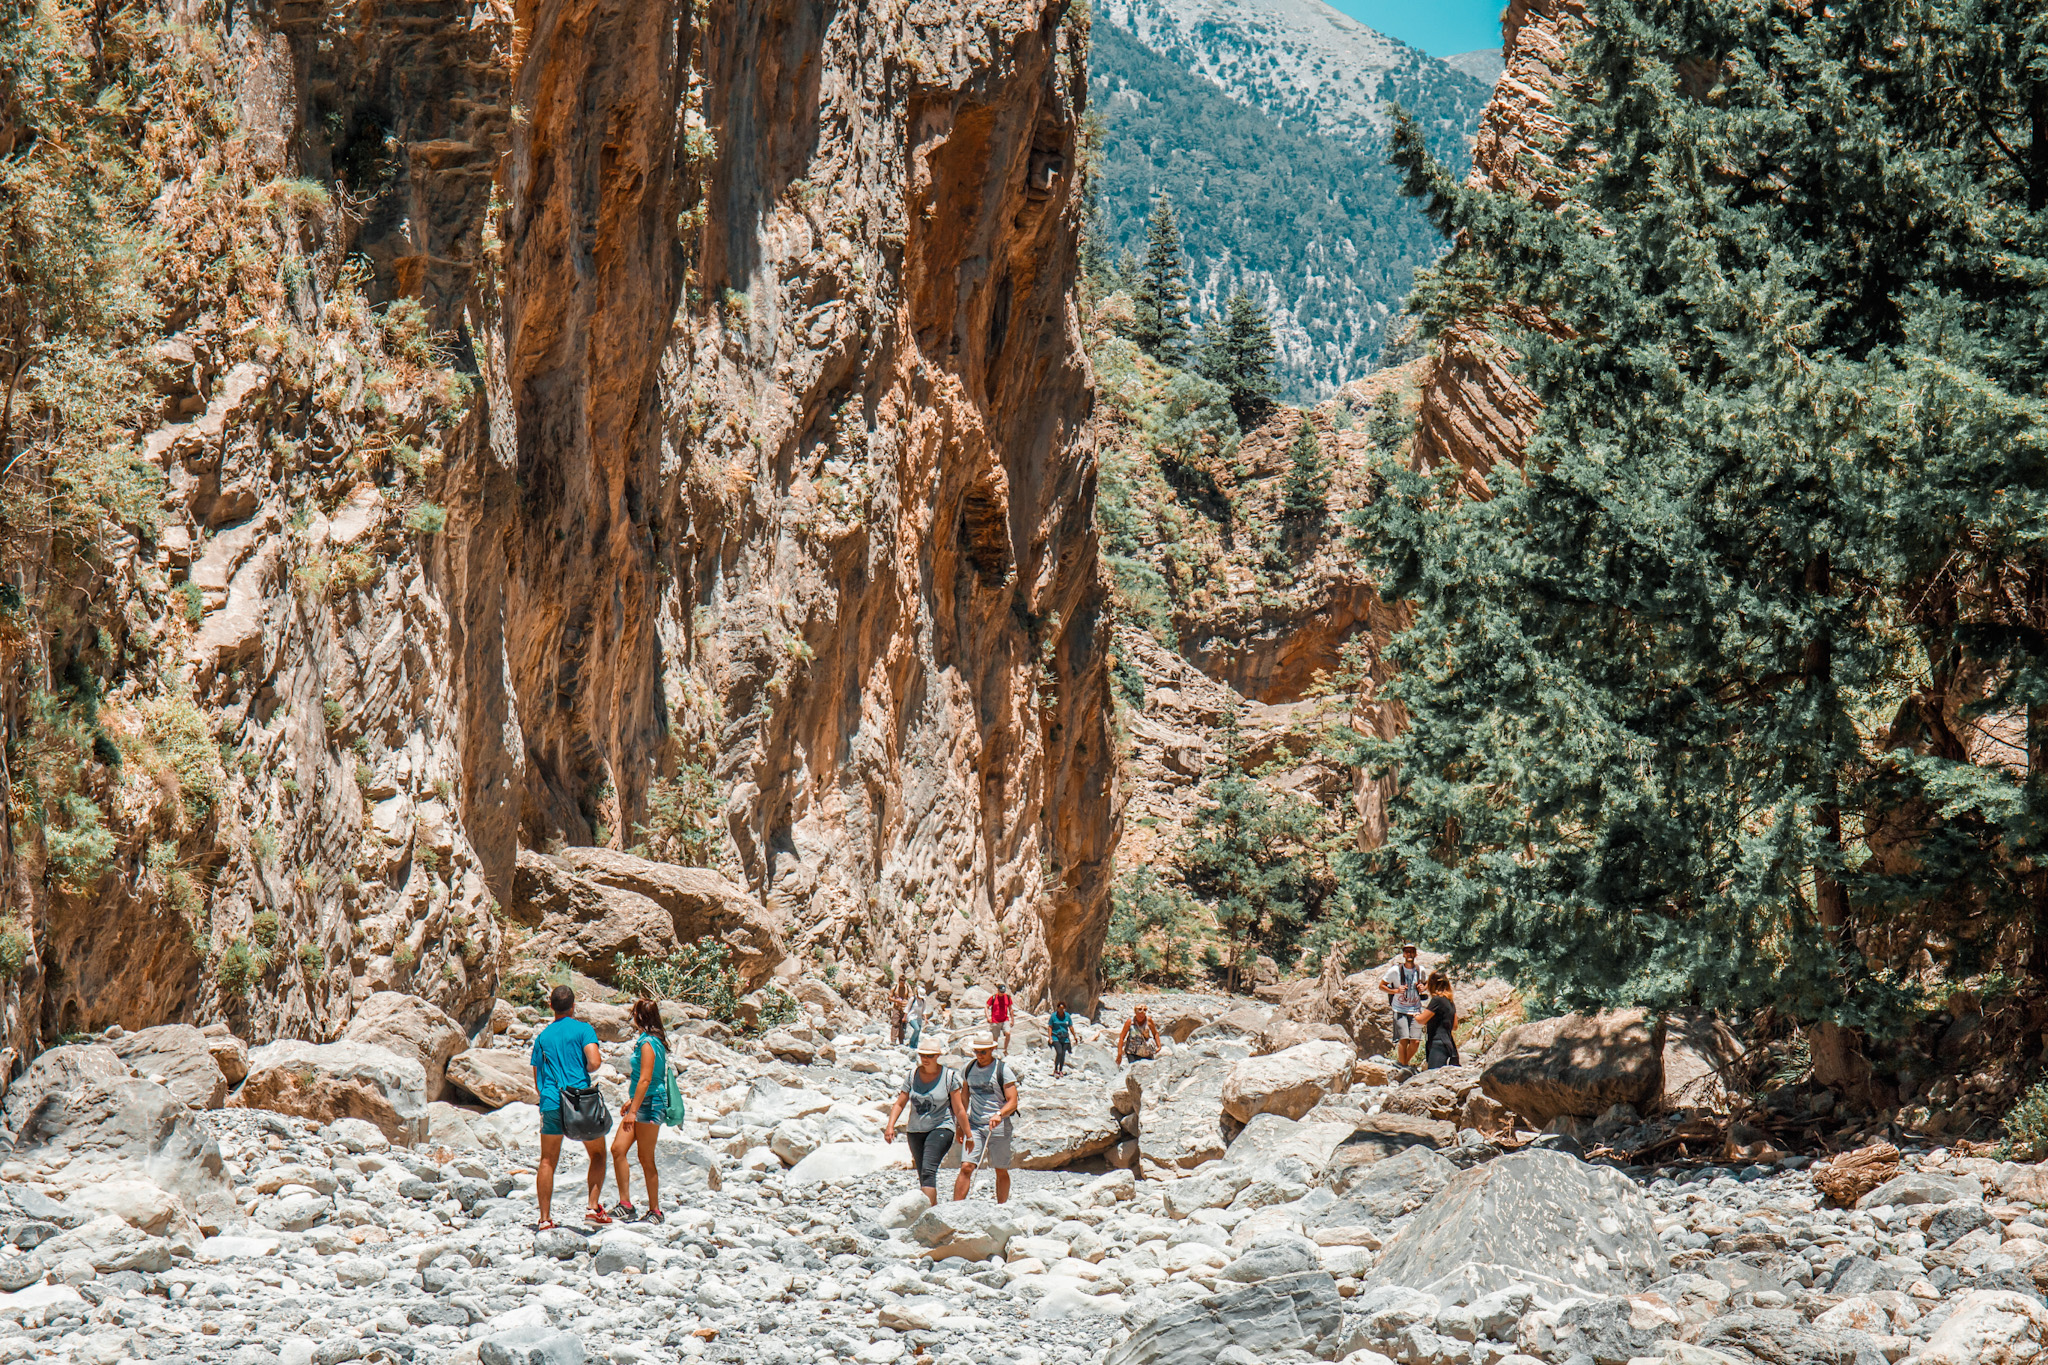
(551, 1121)
(650, 1112)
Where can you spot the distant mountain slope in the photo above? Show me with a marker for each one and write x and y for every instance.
(1484, 64)
(1314, 228)
(1306, 64)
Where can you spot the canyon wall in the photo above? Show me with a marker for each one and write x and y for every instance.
(556, 399)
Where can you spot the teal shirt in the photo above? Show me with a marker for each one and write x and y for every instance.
(655, 1101)
(558, 1058)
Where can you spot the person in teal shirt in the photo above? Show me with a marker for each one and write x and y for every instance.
(646, 1110)
(1059, 1026)
(564, 1055)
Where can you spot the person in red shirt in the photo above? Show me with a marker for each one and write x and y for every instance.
(999, 1011)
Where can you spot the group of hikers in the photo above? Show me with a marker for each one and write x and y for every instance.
(975, 1106)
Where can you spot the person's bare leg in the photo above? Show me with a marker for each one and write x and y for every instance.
(594, 1149)
(544, 1178)
(1002, 1186)
(644, 1135)
(963, 1181)
(622, 1142)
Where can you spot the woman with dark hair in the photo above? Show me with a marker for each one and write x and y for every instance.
(1438, 1018)
(646, 1106)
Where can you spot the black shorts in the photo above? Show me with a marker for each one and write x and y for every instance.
(928, 1152)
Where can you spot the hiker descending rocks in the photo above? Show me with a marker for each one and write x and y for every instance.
(938, 1110)
(1059, 1032)
(1439, 1018)
(1402, 983)
(914, 1031)
(1000, 1008)
(991, 1102)
(1138, 1040)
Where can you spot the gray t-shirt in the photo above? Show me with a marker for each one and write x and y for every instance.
(985, 1093)
(931, 1102)
(1407, 999)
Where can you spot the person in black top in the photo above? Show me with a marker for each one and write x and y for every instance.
(1438, 1019)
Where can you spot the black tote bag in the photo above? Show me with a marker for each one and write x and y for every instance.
(584, 1116)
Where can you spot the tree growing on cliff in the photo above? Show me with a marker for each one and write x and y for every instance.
(1159, 294)
(1305, 492)
(1789, 394)
(1237, 352)
(1247, 860)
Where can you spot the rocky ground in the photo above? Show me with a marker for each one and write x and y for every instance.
(1360, 1227)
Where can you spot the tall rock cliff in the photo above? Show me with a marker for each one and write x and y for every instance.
(540, 405)
(1475, 412)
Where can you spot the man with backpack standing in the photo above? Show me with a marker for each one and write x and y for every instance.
(564, 1054)
(1000, 1008)
(991, 1101)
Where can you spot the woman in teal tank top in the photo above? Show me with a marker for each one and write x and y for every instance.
(645, 1108)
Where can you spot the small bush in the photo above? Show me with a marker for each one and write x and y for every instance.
(331, 709)
(195, 601)
(2026, 1126)
(265, 844)
(14, 951)
(312, 960)
(182, 893)
(403, 955)
(80, 850)
(237, 969)
(778, 1007)
(697, 974)
(265, 928)
(427, 519)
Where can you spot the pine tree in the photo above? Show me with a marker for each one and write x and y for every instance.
(1305, 493)
(1789, 395)
(1160, 293)
(1246, 859)
(1237, 352)
(1388, 427)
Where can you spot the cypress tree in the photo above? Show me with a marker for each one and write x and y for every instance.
(1794, 296)
(1305, 493)
(1159, 295)
(1246, 859)
(1237, 352)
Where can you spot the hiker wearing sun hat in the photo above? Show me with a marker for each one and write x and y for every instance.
(937, 1111)
(991, 1089)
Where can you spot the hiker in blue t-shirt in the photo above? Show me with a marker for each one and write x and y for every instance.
(564, 1055)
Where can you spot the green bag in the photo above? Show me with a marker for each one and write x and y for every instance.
(674, 1092)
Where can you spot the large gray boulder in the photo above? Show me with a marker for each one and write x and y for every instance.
(180, 1059)
(59, 1071)
(410, 1027)
(1289, 1082)
(1393, 1186)
(1379, 1137)
(1180, 1117)
(496, 1076)
(329, 1081)
(1299, 1312)
(591, 904)
(1578, 1064)
(1438, 1094)
(1533, 1218)
(1062, 1122)
(1783, 1337)
(974, 1229)
(1269, 1137)
(122, 1128)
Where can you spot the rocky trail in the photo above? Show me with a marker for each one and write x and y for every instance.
(1219, 1204)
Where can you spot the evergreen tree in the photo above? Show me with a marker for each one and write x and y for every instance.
(1793, 337)
(1160, 292)
(1237, 352)
(1388, 427)
(1305, 493)
(1247, 860)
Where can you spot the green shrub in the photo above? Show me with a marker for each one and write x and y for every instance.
(427, 519)
(696, 974)
(1153, 930)
(79, 850)
(14, 951)
(2026, 1126)
(682, 818)
(330, 707)
(311, 959)
(265, 843)
(778, 1007)
(195, 601)
(403, 956)
(265, 928)
(184, 740)
(183, 895)
(237, 969)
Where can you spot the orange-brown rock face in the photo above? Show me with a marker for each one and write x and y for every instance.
(1475, 411)
(751, 434)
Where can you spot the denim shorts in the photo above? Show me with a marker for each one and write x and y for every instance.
(650, 1112)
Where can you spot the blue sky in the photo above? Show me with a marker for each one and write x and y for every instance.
(1442, 28)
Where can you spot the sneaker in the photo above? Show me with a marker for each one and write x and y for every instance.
(624, 1212)
(653, 1216)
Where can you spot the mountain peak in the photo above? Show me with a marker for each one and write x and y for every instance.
(1300, 61)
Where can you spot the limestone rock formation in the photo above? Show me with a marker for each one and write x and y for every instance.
(654, 425)
(338, 1080)
(1537, 1218)
(177, 1057)
(1578, 1065)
